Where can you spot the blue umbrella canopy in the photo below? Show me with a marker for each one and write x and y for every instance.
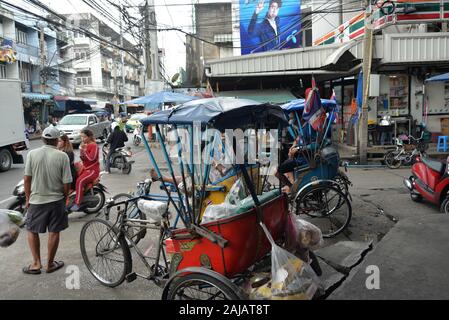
(156, 100)
(221, 113)
(298, 104)
(441, 77)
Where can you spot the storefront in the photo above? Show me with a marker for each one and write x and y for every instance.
(36, 109)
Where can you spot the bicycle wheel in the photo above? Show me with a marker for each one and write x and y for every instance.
(197, 286)
(134, 233)
(105, 252)
(327, 207)
(342, 180)
(390, 160)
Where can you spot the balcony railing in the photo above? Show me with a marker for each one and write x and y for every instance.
(27, 49)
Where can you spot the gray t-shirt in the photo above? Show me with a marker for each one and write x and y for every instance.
(49, 170)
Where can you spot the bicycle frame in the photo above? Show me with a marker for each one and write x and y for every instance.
(124, 222)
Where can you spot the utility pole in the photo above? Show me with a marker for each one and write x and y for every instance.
(122, 57)
(149, 71)
(367, 62)
(42, 56)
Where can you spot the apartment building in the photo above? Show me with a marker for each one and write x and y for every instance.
(99, 68)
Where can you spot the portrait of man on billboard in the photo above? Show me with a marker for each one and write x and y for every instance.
(269, 29)
(267, 25)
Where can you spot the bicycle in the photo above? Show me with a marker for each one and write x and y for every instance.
(405, 154)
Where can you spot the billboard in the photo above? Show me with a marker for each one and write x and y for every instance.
(267, 25)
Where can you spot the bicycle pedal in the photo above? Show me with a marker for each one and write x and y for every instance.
(131, 277)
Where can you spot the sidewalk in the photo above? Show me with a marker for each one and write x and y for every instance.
(376, 153)
(412, 262)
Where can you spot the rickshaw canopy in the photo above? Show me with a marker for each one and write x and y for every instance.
(298, 105)
(221, 113)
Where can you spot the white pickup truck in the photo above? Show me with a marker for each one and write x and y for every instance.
(12, 124)
(72, 124)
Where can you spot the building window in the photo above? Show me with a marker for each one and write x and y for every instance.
(21, 36)
(84, 81)
(25, 73)
(81, 54)
(78, 34)
(2, 71)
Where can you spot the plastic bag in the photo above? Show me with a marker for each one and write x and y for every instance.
(10, 221)
(153, 209)
(291, 278)
(236, 194)
(303, 234)
(218, 211)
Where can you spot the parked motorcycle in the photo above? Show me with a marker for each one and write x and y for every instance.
(93, 201)
(430, 181)
(405, 154)
(119, 159)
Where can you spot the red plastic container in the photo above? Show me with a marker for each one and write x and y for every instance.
(247, 243)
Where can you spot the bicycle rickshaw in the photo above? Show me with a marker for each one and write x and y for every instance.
(321, 189)
(201, 260)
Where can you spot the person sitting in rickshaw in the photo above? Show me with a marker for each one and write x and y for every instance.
(285, 172)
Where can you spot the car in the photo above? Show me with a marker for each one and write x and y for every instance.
(134, 121)
(72, 124)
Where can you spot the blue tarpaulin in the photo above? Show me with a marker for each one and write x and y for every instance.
(441, 77)
(157, 100)
(221, 113)
(298, 104)
(36, 96)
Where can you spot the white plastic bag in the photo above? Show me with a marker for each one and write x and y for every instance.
(236, 194)
(310, 236)
(218, 211)
(291, 278)
(302, 234)
(152, 209)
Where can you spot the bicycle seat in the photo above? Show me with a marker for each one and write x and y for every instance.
(435, 165)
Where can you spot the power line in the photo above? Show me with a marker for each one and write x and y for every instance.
(90, 35)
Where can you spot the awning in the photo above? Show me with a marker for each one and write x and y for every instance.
(441, 77)
(262, 96)
(36, 96)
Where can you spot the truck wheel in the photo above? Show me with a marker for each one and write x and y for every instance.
(5, 160)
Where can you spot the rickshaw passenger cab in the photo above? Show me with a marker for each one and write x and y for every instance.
(246, 245)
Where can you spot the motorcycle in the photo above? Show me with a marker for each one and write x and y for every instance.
(405, 154)
(430, 181)
(93, 201)
(137, 138)
(119, 159)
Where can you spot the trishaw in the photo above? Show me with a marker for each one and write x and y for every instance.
(209, 260)
(321, 189)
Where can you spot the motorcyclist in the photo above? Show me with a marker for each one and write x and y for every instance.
(116, 140)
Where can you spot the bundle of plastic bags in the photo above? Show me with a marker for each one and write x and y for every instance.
(291, 278)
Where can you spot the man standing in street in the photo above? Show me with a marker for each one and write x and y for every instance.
(47, 184)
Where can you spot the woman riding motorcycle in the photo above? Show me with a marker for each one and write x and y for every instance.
(90, 171)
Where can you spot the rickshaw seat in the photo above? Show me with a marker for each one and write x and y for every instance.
(248, 203)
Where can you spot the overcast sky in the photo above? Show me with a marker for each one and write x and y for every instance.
(171, 41)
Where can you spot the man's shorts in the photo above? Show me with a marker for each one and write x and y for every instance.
(49, 216)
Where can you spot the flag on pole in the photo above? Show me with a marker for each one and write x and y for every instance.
(314, 112)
